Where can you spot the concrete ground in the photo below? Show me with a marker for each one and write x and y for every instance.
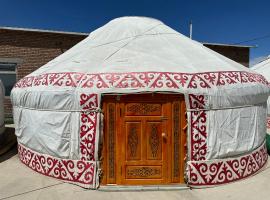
(19, 182)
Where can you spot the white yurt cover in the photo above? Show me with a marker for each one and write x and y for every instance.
(264, 69)
(57, 107)
(2, 95)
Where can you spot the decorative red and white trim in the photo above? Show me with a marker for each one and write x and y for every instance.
(221, 171)
(152, 80)
(88, 126)
(200, 171)
(268, 122)
(79, 172)
(198, 134)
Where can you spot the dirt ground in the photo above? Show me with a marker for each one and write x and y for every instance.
(19, 182)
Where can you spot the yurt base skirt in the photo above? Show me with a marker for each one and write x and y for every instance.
(79, 172)
(208, 173)
(200, 173)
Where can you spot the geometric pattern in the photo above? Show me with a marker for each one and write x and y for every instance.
(198, 135)
(154, 80)
(221, 171)
(88, 126)
(79, 172)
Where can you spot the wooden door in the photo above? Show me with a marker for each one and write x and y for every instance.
(143, 141)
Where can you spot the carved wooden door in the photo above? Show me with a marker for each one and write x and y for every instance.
(143, 140)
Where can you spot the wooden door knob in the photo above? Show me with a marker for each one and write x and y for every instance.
(163, 135)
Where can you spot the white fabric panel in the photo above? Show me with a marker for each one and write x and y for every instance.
(46, 99)
(2, 94)
(264, 69)
(138, 44)
(65, 99)
(235, 131)
(236, 95)
(46, 131)
(74, 124)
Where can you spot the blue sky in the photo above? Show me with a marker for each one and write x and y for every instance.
(219, 21)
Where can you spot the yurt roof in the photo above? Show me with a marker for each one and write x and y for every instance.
(138, 44)
(139, 54)
(263, 68)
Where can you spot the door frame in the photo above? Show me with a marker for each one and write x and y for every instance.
(112, 108)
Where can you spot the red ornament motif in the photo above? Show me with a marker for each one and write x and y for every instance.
(198, 135)
(88, 125)
(76, 171)
(268, 122)
(141, 80)
(215, 172)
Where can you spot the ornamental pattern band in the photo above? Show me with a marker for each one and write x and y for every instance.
(141, 80)
(88, 126)
(78, 172)
(198, 134)
(221, 171)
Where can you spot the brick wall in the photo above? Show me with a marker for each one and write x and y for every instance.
(237, 53)
(34, 49)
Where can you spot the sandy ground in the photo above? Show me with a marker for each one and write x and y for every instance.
(19, 182)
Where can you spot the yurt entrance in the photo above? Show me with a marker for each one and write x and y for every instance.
(144, 139)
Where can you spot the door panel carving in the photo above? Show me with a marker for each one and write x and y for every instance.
(133, 133)
(154, 146)
(176, 140)
(144, 109)
(111, 142)
(146, 172)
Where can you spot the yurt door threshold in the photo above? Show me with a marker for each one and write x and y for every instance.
(144, 139)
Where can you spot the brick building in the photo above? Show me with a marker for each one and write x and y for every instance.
(238, 53)
(24, 50)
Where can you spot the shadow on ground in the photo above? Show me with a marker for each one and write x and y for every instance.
(8, 144)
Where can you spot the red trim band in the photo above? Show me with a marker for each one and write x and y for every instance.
(198, 134)
(79, 172)
(141, 80)
(88, 126)
(221, 171)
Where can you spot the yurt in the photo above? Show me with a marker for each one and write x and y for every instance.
(264, 69)
(137, 103)
(2, 95)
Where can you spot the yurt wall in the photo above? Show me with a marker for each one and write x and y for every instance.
(264, 69)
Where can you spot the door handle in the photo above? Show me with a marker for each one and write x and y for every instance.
(164, 137)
